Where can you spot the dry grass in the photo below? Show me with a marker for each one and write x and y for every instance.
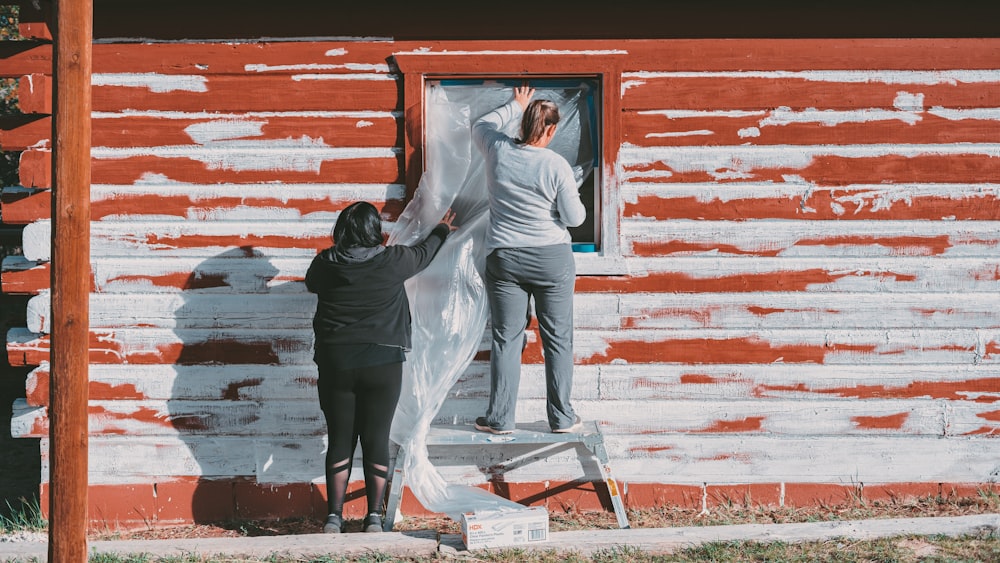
(661, 517)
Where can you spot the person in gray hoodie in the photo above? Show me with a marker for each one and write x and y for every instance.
(534, 199)
(362, 330)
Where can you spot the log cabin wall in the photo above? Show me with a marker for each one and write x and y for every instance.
(806, 310)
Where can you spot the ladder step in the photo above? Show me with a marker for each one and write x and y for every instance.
(528, 433)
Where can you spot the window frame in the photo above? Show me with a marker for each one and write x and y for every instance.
(604, 66)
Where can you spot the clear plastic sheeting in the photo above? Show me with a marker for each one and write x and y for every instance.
(448, 299)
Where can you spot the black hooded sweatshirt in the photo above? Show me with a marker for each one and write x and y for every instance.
(361, 297)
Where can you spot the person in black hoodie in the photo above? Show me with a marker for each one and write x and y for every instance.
(362, 333)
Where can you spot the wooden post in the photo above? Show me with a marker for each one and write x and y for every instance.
(70, 282)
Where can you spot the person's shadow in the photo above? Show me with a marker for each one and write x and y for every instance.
(243, 395)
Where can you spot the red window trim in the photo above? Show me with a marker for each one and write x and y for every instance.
(606, 66)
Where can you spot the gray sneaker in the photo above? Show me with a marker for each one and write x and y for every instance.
(483, 425)
(576, 427)
(334, 524)
(373, 523)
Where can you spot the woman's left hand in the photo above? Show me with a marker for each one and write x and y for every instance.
(523, 94)
(448, 219)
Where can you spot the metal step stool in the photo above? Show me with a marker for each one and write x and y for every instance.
(590, 436)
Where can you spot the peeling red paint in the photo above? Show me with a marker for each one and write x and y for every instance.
(141, 414)
(655, 130)
(746, 350)
(952, 390)
(232, 391)
(244, 92)
(828, 204)
(648, 383)
(987, 274)
(904, 246)
(991, 349)
(983, 431)
(656, 169)
(185, 280)
(766, 93)
(701, 316)
(220, 352)
(742, 458)
(663, 248)
(337, 131)
(31, 281)
(37, 388)
(667, 282)
(993, 416)
(105, 348)
(765, 311)
(833, 170)
(698, 378)
(748, 424)
(348, 170)
(39, 427)
(888, 422)
(190, 206)
(261, 241)
(122, 391)
(649, 449)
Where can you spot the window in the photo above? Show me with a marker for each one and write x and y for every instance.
(589, 84)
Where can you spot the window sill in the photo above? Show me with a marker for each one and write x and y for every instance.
(596, 264)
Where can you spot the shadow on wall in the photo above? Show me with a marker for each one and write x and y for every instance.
(237, 386)
(20, 464)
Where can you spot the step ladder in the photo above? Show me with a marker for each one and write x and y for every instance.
(538, 433)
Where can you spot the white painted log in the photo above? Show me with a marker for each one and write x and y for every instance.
(38, 313)
(854, 199)
(734, 382)
(682, 459)
(859, 274)
(695, 459)
(741, 161)
(834, 346)
(774, 310)
(248, 382)
(334, 194)
(774, 417)
(192, 309)
(811, 239)
(36, 243)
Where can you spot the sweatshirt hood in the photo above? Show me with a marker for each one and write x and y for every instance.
(352, 254)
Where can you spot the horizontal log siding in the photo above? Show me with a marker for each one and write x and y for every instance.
(810, 230)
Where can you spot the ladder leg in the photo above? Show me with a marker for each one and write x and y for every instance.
(395, 489)
(609, 480)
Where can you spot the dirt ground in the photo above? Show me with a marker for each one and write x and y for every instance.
(987, 503)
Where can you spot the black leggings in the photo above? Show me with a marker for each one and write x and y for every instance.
(358, 404)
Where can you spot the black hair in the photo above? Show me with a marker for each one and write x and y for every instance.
(358, 225)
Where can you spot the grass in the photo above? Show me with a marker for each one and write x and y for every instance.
(25, 516)
(938, 549)
(900, 549)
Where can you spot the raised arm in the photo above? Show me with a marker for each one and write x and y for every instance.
(487, 128)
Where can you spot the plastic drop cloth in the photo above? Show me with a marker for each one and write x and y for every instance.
(448, 299)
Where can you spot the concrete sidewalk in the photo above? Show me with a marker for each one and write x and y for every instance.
(584, 542)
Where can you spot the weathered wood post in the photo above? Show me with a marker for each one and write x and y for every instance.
(70, 282)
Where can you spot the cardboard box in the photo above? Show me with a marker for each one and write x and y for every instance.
(505, 527)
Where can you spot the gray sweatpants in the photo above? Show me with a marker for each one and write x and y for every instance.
(514, 276)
